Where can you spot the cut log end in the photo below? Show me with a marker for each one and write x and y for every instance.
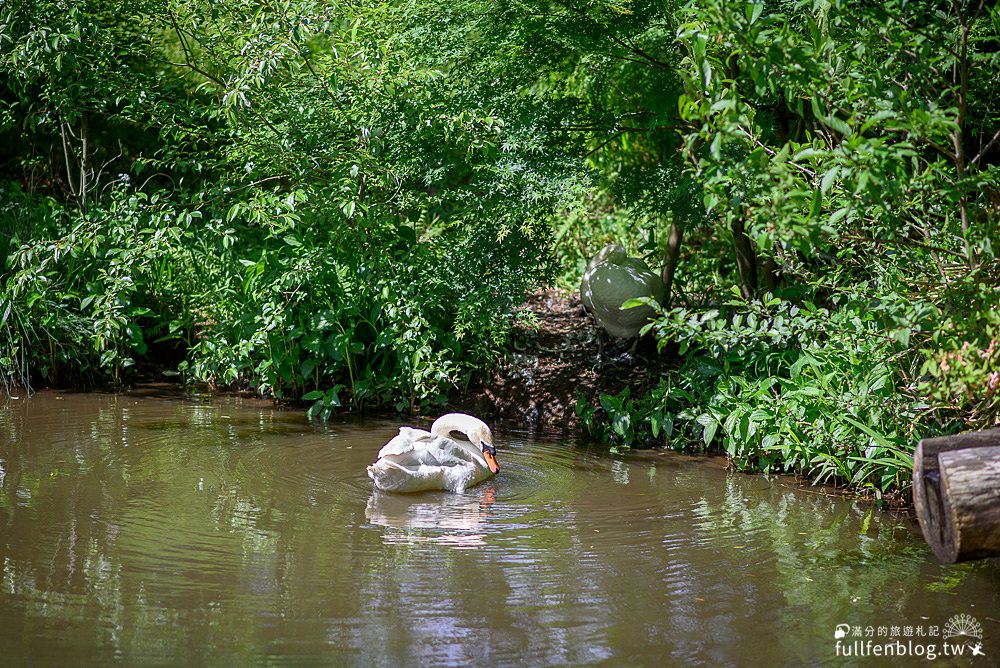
(956, 492)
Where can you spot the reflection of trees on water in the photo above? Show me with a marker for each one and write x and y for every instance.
(111, 549)
(828, 560)
(106, 546)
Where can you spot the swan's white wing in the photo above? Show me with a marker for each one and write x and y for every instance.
(417, 460)
(612, 285)
(394, 476)
(429, 451)
(407, 439)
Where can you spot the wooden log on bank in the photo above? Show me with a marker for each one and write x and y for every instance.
(956, 491)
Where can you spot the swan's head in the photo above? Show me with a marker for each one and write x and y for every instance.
(474, 429)
(490, 455)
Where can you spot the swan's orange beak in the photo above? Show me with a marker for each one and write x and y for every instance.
(490, 454)
(492, 461)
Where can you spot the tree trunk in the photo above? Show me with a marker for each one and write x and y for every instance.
(769, 269)
(670, 260)
(83, 163)
(956, 492)
(746, 259)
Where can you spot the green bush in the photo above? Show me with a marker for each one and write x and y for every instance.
(850, 200)
(266, 198)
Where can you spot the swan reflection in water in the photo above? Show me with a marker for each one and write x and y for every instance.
(453, 520)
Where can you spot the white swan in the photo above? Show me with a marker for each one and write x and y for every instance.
(611, 279)
(416, 460)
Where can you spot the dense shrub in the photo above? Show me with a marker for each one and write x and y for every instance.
(266, 197)
(835, 164)
(850, 199)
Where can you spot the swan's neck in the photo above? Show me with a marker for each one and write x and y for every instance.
(470, 448)
(466, 431)
(455, 424)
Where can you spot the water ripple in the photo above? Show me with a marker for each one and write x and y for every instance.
(160, 530)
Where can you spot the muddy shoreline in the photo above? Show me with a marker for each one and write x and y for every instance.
(556, 362)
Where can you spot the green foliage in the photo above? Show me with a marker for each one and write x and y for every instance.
(831, 125)
(804, 389)
(841, 164)
(266, 196)
(346, 203)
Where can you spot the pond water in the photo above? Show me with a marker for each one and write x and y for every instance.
(158, 530)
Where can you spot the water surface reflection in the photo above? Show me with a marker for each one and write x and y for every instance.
(146, 530)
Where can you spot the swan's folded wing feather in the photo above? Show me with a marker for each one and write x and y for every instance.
(405, 441)
(401, 473)
(417, 460)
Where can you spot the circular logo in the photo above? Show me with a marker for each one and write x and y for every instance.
(963, 625)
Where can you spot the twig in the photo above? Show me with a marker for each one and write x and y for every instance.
(69, 172)
(905, 242)
(984, 149)
(771, 152)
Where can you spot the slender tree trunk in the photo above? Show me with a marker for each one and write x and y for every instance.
(746, 259)
(66, 152)
(670, 260)
(769, 269)
(957, 135)
(83, 163)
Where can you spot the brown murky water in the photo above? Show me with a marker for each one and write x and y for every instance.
(145, 530)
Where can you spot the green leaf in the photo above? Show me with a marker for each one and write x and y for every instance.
(639, 301)
(709, 433)
(817, 203)
(838, 214)
(828, 178)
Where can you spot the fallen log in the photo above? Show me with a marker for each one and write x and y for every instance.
(956, 492)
